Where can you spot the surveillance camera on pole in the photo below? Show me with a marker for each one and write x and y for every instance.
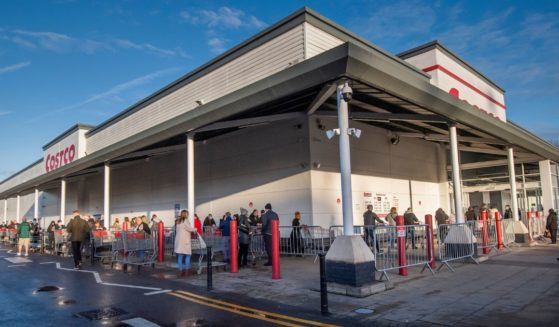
(347, 92)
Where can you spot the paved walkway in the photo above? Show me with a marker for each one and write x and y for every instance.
(519, 287)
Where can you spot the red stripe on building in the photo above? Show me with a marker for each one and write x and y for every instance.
(456, 77)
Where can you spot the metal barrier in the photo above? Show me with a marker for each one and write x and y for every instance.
(303, 240)
(456, 242)
(384, 243)
(508, 232)
(61, 243)
(485, 232)
(536, 227)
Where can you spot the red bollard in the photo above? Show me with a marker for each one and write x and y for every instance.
(430, 238)
(401, 234)
(484, 232)
(234, 244)
(528, 217)
(160, 242)
(498, 222)
(275, 250)
(538, 214)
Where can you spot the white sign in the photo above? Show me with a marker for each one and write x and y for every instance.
(69, 148)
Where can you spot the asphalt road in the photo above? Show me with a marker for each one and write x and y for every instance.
(172, 302)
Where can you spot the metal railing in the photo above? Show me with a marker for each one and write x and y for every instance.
(485, 232)
(456, 242)
(383, 241)
(303, 240)
(508, 232)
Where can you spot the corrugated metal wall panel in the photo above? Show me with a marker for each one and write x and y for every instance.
(28, 174)
(265, 60)
(318, 41)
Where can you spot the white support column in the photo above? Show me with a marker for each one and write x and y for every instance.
(456, 180)
(526, 204)
(36, 206)
(107, 196)
(546, 182)
(345, 162)
(190, 174)
(5, 210)
(512, 180)
(18, 202)
(63, 200)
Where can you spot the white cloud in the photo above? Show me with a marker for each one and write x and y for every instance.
(217, 45)
(13, 68)
(112, 93)
(224, 17)
(62, 43)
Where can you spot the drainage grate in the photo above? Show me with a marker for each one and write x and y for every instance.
(364, 311)
(103, 313)
(48, 288)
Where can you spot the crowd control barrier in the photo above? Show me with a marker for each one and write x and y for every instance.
(485, 232)
(400, 247)
(303, 240)
(508, 232)
(456, 242)
(536, 225)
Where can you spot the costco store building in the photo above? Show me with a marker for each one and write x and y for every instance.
(249, 127)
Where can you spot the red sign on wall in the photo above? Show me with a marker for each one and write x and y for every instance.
(61, 158)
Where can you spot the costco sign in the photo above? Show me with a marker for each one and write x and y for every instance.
(60, 158)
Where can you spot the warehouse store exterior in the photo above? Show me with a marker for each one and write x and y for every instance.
(250, 127)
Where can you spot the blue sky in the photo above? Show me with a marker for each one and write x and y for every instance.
(64, 61)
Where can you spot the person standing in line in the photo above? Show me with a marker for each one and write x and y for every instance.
(78, 230)
(197, 224)
(23, 234)
(267, 218)
(296, 237)
(508, 212)
(369, 220)
(551, 225)
(410, 219)
(183, 243)
(209, 221)
(244, 237)
(253, 218)
(471, 214)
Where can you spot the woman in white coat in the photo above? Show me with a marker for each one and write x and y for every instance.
(183, 247)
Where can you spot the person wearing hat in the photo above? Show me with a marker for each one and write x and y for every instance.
(267, 218)
(551, 225)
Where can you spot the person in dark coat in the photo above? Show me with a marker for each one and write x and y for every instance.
(78, 230)
(254, 218)
(471, 214)
(244, 237)
(209, 221)
(508, 212)
(267, 219)
(551, 225)
(296, 237)
(441, 217)
(369, 220)
(411, 219)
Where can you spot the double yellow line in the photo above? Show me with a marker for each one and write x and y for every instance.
(271, 317)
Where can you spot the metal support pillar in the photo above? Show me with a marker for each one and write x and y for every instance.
(345, 162)
(18, 202)
(190, 174)
(36, 207)
(107, 196)
(512, 180)
(63, 200)
(456, 180)
(526, 204)
(5, 211)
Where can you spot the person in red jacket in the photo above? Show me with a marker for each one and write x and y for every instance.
(197, 224)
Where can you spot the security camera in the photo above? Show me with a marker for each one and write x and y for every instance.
(347, 92)
(395, 139)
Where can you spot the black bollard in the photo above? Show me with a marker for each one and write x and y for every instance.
(210, 268)
(92, 243)
(323, 286)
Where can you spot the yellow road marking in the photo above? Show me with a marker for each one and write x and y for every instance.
(258, 314)
(234, 311)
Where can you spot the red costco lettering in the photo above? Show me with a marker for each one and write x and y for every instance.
(61, 158)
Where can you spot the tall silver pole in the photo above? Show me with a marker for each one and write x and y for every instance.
(5, 210)
(345, 162)
(107, 196)
(190, 173)
(36, 207)
(456, 180)
(63, 200)
(18, 201)
(526, 206)
(512, 180)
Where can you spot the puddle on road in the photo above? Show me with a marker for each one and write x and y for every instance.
(48, 288)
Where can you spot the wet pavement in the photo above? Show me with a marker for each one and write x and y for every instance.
(517, 287)
(99, 295)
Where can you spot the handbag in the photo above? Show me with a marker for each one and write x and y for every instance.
(202, 242)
